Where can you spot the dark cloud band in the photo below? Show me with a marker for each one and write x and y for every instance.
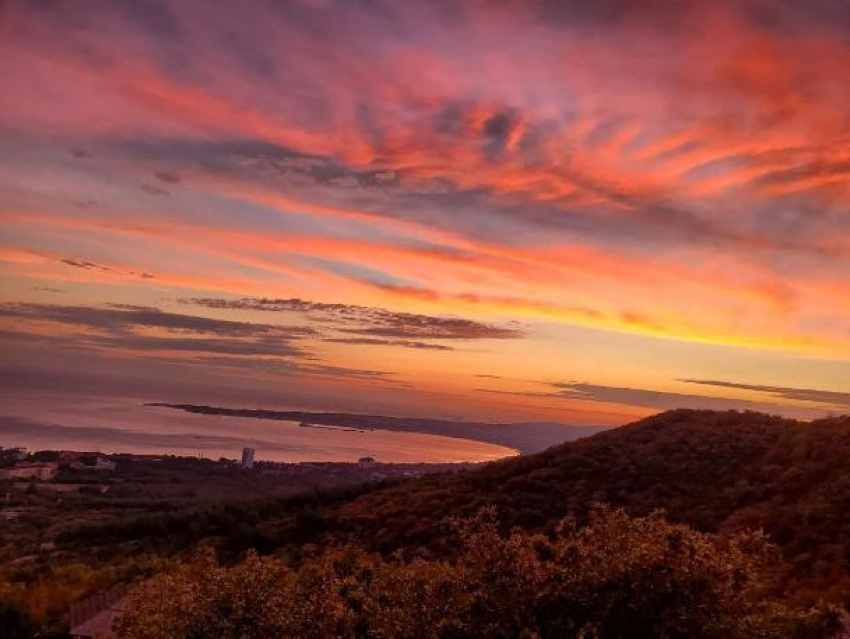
(369, 321)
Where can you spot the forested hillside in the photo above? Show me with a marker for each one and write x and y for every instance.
(617, 577)
(717, 472)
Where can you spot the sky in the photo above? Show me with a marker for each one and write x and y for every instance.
(579, 211)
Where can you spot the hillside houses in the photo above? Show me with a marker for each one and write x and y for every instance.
(85, 461)
(16, 453)
(38, 471)
(16, 464)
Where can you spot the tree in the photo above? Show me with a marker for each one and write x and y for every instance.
(615, 577)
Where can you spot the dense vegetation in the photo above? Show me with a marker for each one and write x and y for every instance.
(62, 546)
(616, 577)
(718, 473)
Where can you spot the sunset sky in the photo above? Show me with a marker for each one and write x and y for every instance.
(581, 211)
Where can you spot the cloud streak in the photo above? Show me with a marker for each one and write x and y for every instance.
(836, 399)
(645, 398)
(378, 322)
(124, 328)
(367, 341)
(127, 318)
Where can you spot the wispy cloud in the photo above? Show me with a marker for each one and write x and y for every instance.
(128, 328)
(669, 400)
(371, 321)
(367, 341)
(167, 176)
(84, 264)
(837, 399)
(155, 190)
(124, 318)
(661, 400)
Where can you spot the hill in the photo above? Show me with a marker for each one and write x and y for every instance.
(716, 472)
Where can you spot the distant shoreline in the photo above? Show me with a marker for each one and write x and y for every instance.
(523, 438)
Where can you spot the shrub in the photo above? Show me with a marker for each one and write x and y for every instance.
(615, 577)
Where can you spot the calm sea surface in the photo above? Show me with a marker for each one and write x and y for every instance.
(77, 422)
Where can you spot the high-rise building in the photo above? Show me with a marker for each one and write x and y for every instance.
(247, 458)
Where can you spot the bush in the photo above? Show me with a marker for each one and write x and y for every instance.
(615, 577)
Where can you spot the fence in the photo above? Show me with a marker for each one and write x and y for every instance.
(87, 609)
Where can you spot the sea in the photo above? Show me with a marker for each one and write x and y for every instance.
(58, 421)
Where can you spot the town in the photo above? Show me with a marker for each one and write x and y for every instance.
(29, 479)
(48, 496)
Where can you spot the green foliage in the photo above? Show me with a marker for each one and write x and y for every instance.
(616, 577)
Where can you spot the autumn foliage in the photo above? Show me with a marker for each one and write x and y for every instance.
(615, 577)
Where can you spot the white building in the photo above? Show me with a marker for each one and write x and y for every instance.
(90, 462)
(247, 458)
